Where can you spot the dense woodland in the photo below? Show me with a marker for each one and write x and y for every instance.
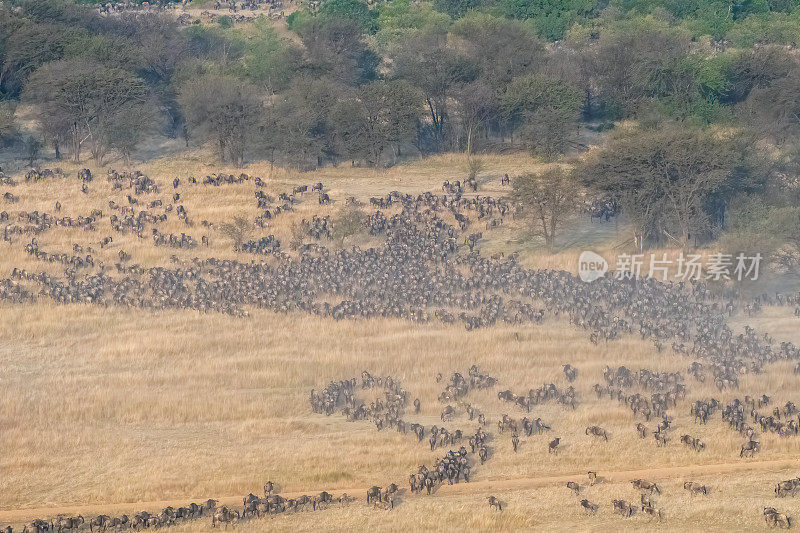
(694, 104)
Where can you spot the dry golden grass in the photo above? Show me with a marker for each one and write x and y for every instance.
(118, 409)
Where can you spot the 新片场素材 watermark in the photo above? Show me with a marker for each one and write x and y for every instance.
(716, 267)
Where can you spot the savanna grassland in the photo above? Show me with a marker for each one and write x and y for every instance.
(137, 374)
(111, 410)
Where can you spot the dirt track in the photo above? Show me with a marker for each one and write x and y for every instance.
(478, 487)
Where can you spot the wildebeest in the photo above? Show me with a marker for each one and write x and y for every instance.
(374, 494)
(553, 446)
(597, 431)
(37, 526)
(448, 413)
(646, 486)
(321, 498)
(225, 516)
(590, 507)
(624, 508)
(652, 512)
(70, 523)
(775, 518)
(749, 448)
(787, 487)
(495, 503)
(693, 442)
(695, 488)
(101, 522)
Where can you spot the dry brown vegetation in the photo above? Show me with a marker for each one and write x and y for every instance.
(116, 410)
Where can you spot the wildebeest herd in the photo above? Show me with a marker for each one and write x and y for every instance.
(253, 506)
(427, 266)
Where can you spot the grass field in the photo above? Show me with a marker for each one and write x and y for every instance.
(117, 410)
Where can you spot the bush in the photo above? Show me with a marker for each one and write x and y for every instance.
(755, 226)
(773, 28)
(32, 148)
(8, 124)
(349, 222)
(238, 231)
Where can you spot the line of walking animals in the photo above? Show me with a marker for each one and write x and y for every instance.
(252, 507)
(272, 503)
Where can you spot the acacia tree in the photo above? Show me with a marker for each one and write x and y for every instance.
(88, 99)
(381, 115)
(475, 104)
(437, 71)
(269, 60)
(223, 109)
(664, 178)
(349, 222)
(502, 48)
(639, 62)
(545, 110)
(547, 199)
(237, 231)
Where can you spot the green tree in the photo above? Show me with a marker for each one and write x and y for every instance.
(355, 10)
(551, 18)
(548, 199)
(336, 47)
(399, 20)
(502, 48)
(457, 8)
(237, 231)
(437, 71)
(269, 60)
(348, 223)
